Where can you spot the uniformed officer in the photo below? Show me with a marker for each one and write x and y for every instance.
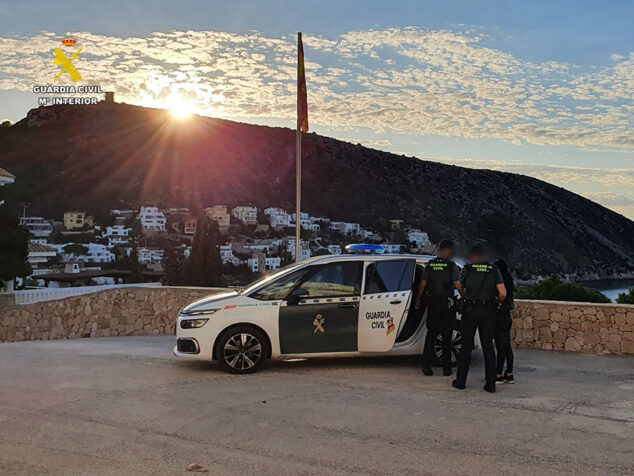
(483, 290)
(439, 279)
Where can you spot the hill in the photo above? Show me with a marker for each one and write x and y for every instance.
(116, 155)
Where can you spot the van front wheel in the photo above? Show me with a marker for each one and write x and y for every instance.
(242, 349)
(456, 345)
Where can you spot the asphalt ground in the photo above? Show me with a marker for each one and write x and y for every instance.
(127, 406)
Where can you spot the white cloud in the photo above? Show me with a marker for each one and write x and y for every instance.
(572, 178)
(409, 80)
(617, 202)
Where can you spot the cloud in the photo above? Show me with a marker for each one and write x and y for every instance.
(408, 80)
(371, 142)
(559, 174)
(573, 178)
(617, 202)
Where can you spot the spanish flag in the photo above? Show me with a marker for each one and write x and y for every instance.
(302, 99)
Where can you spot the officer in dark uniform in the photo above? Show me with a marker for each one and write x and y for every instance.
(439, 279)
(483, 291)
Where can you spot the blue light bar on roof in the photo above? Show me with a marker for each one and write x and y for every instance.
(360, 248)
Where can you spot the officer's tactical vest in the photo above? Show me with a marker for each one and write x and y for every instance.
(479, 282)
(439, 278)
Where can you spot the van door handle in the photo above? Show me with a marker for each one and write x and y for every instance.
(395, 302)
(347, 305)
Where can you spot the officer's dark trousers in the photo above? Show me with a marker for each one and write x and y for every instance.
(440, 320)
(480, 317)
(503, 323)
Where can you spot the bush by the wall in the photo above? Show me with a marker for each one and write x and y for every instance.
(626, 298)
(554, 288)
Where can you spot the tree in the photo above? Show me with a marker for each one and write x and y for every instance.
(204, 266)
(554, 288)
(286, 257)
(14, 241)
(136, 271)
(626, 298)
(75, 249)
(174, 264)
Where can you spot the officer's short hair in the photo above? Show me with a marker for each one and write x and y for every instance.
(445, 244)
(477, 249)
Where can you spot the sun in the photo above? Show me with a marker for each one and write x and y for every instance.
(180, 110)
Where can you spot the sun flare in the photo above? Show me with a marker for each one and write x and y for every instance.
(180, 110)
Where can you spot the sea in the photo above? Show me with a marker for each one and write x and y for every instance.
(611, 287)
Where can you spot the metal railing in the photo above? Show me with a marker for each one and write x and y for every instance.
(32, 296)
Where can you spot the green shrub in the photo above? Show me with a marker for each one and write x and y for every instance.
(554, 288)
(626, 298)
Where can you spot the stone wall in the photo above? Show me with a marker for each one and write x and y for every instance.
(114, 312)
(547, 325)
(576, 327)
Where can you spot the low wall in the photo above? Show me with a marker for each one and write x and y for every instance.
(576, 327)
(548, 325)
(115, 312)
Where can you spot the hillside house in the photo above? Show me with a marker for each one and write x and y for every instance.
(189, 226)
(118, 235)
(219, 214)
(247, 215)
(76, 220)
(37, 226)
(279, 217)
(152, 219)
(419, 237)
(345, 228)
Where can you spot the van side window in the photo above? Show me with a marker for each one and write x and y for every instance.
(389, 276)
(279, 288)
(336, 279)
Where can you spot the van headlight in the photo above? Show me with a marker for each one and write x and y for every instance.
(193, 323)
(201, 312)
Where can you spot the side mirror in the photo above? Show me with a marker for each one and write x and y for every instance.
(294, 297)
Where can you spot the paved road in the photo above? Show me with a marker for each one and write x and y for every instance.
(125, 406)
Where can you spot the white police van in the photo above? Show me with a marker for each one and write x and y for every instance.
(343, 305)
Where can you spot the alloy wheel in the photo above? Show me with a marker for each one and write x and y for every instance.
(242, 351)
(456, 346)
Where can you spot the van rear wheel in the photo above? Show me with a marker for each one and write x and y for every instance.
(242, 349)
(456, 346)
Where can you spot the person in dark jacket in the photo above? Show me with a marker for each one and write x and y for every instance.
(503, 323)
(440, 277)
(483, 291)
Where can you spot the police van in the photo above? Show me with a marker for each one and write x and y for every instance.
(357, 304)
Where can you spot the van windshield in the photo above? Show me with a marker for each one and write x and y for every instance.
(269, 277)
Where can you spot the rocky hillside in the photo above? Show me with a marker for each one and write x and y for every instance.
(110, 155)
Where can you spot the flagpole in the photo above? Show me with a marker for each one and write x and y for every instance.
(298, 157)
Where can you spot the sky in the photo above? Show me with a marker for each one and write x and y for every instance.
(540, 88)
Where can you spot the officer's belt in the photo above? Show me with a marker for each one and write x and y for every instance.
(484, 302)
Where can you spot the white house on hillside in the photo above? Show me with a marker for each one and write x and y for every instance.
(419, 237)
(97, 253)
(37, 226)
(279, 217)
(345, 228)
(152, 219)
(247, 215)
(227, 256)
(118, 235)
(334, 249)
(5, 179)
(262, 263)
(393, 248)
(304, 250)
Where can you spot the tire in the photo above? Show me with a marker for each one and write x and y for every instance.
(242, 349)
(456, 345)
